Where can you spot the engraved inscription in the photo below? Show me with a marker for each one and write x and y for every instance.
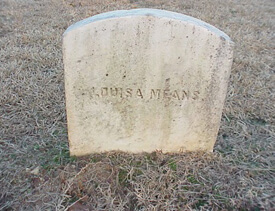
(138, 93)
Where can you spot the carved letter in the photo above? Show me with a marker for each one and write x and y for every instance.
(139, 93)
(129, 92)
(114, 91)
(155, 93)
(104, 91)
(166, 94)
(185, 95)
(120, 91)
(196, 95)
(175, 95)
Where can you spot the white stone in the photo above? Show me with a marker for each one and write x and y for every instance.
(144, 80)
(35, 171)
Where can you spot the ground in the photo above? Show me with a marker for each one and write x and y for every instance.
(36, 170)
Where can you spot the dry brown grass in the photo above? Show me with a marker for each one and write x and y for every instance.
(238, 175)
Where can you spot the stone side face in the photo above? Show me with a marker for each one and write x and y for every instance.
(146, 82)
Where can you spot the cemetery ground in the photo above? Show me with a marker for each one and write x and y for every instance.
(36, 170)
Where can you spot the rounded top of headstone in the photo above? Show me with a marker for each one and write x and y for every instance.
(148, 12)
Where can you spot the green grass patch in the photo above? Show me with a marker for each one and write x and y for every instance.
(57, 156)
(123, 177)
(173, 165)
(192, 179)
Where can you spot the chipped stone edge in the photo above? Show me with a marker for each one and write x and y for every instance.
(148, 12)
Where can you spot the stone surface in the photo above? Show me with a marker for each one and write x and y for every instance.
(144, 80)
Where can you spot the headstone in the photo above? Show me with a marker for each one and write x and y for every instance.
(143, 80)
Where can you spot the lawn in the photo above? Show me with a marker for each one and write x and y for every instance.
(36, 170)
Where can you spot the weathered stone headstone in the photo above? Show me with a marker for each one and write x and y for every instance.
(144, 80)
